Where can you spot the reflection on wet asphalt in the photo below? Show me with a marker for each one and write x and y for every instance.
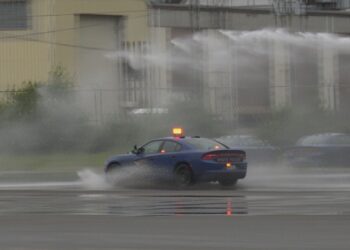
(175, 203)
(279, 194)
(124, 203)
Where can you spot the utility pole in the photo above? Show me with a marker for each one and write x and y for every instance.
(195, 7)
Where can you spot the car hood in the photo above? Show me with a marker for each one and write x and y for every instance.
(122, 157)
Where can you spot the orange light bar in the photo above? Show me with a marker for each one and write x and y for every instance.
(177, 132)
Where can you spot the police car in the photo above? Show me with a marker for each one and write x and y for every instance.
(185, 160)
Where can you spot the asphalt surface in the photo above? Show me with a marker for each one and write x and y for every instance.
(271, 209)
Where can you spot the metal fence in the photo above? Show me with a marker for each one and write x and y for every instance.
(216, 3)
(226, 102)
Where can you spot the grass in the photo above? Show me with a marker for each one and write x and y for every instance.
(53, 161)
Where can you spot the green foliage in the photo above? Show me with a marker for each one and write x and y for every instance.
(23, 103)
(43, 118)
(32, 117)
(60, 79)
(60, 84)
(3, 106)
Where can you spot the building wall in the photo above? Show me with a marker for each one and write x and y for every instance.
(52, 37)
(24, 54)
(136, 28)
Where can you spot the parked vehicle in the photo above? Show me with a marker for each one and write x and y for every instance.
(320, 150)
(257, 150)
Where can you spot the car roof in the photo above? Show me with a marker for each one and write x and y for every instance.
(176, 138)
(314, 139)
(184, 141)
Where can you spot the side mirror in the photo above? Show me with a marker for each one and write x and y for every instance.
(134, 151)
(140, 150)
(137, 150)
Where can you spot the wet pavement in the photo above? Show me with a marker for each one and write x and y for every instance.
(173, 203)
(282, 192)
(271, 209)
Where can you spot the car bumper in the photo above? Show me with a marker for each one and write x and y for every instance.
(237, 171)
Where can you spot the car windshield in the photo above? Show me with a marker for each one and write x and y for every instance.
(205, 143)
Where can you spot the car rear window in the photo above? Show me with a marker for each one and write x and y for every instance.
(205, 143)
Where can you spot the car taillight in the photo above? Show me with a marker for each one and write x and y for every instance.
(209, 157)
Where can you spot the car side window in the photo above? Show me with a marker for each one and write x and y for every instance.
(170, 146)
(152, 147)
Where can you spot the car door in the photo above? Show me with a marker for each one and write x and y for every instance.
(168, 157)
(150, 151)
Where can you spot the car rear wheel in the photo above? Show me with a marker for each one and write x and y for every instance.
(183, 176)
(228, 182)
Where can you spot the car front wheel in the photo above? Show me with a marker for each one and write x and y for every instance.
(111, 172)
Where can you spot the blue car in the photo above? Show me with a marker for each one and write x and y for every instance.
(185, 161)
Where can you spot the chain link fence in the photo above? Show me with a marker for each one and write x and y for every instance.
(226, 103)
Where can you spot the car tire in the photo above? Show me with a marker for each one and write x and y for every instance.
(228, 182)
(183, 176)
(111, 172)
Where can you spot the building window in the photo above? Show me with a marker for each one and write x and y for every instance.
(13, 14)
